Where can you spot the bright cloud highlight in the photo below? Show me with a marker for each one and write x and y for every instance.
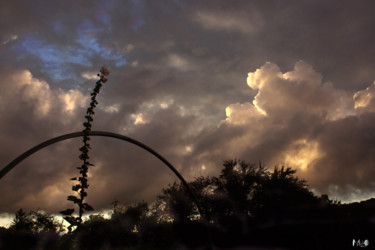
(297, 120)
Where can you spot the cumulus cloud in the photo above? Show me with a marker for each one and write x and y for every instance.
(38, 96)
(294, 118)
(31, 112)
(177, 83)
(301, 90)
(297, 120)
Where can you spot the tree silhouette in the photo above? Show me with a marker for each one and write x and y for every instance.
(177, 203)
(31, 230)
(240, 181)
(22, 222)
(222, 198)
(130, 217)
(282, 192)
(246, 205)
(35, 222)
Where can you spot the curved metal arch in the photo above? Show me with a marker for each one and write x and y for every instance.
(42, 145)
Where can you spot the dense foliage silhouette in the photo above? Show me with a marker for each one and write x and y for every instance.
(245, 206)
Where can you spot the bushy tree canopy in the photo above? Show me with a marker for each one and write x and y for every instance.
(245, 205)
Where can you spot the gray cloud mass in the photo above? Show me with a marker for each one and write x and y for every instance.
(281, 82)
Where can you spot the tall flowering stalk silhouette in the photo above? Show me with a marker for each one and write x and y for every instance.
(80, 183)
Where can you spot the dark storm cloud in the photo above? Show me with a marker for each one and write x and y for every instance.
(177, 83)
(347, 166)
(334, 36)
(331, 36)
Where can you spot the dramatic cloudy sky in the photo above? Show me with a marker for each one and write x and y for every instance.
(277, 82)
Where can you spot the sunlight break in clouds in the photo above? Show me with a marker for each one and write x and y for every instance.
(365, 99)
(139, 119)
(302, 153)
(148, 109)
(309, 125)
(11, 38)
(71, 99)
(89, 75)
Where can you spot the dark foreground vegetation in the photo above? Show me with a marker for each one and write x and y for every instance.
(246, 207)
